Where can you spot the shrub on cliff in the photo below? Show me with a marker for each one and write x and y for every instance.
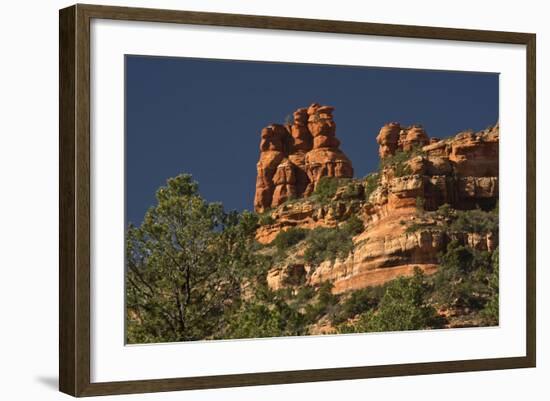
(463, 276)
(353, 191)
(325, 243)
(398, 162)
(265, 219)
(475, 221)
(401, 170)
(392, 160)
(287, 238)
(358, 302)
(304, 295)
(325, 302)
(371, 183)
(403, 307)
(414, 227)
(445, 210)
(326, 188)
(353, 226)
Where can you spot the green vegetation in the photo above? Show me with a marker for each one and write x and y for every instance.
(475, 221)
(420, 204)
(322, 243)
(353, 191)
(265, 219)
(399, 157)
(326, 188)
(185, 265)
(304, 295)
(195, 271)
(188, 261)
(325, 302)
(281, 313)
(358, 302)
(325, 243)
(256, 320)
(287, 238)
(353, 226)
(399, 160)
(445, 210)
(371, 183)
(468, 278)
(401, 170)
(490, 312)
(403, 307)
(414, 227)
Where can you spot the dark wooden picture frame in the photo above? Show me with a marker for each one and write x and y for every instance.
(74, 204)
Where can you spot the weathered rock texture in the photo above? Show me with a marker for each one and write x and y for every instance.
(392, 138)
(293, 158)
(461, 171)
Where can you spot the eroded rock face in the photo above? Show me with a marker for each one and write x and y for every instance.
(386, 251)
(392, 138)
(272, 152)
(388, 138)
(476, 154)
(412, 137)
(305, 214)
(294, 158)
(289, 275)
(461, 171)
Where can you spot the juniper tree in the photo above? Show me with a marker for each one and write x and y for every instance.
(185, 265)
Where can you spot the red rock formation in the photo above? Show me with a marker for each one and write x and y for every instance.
(392, 138)
(461, 171)
(325, 159)
(294, 158)
(272, 152)
(412, 137)
(476, 154)
(388, 139)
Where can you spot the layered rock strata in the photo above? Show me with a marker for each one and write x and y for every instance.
(293, 158)
(461, 171)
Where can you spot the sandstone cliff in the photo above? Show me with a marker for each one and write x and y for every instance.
(293, 158)
(405, 207)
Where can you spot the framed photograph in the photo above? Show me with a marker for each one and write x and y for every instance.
(249, 200)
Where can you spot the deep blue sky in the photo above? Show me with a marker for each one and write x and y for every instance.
(204, 117)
